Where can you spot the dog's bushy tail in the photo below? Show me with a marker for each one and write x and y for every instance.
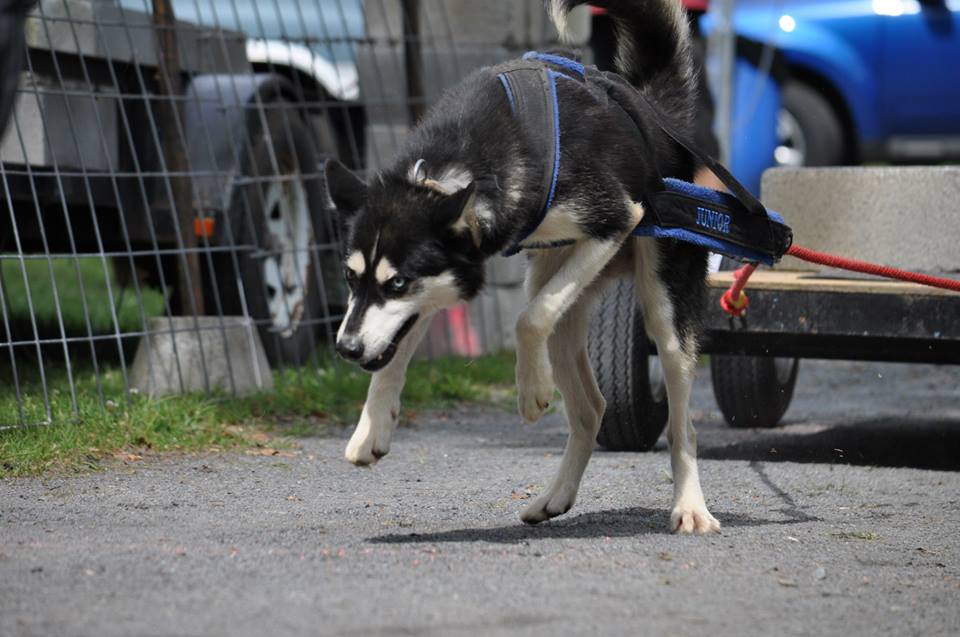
(653, 50)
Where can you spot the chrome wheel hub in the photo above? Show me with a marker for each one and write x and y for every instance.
(791, 148)
(285, 269)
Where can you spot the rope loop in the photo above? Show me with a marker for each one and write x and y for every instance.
(735, 307)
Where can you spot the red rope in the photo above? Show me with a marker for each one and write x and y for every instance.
(734, 301)
(871, 268)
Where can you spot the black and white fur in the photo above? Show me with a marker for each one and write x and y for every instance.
(465, 185)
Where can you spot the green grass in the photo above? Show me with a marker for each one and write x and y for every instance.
(104, 421)
(78, 283)
(304, 402)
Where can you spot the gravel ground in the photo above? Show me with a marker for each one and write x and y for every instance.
(844, 521)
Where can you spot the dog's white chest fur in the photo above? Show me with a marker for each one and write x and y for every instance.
(565, 223)
(559, 224)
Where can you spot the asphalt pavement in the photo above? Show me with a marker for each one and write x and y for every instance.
(846, 520)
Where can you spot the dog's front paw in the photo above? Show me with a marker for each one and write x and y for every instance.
(365, 449)
(534, 390)
(693, 519)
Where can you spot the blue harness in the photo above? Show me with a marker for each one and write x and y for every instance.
(735, 225)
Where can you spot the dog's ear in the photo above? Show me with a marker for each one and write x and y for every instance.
(347, 191)
(458, 211)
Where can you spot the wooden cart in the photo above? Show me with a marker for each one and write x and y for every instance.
(905, 217)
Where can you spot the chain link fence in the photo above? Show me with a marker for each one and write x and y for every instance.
(162, 196)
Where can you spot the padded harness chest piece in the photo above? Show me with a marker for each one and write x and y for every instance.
(531, 89)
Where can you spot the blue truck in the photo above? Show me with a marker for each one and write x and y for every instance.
(864, 81)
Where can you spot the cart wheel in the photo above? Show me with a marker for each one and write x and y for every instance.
(282, 219)
(630, 378)
(753, 391)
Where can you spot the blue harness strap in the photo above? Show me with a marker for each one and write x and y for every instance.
(531, 90)
(735, 225)
(560, 61)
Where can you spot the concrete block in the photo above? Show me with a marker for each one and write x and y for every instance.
(53, 125)
(383, 142)
(456, 37)
(906, 217)
(178, 356)
(465, 22)
(494, 316)
(484, 325)
(506, 271)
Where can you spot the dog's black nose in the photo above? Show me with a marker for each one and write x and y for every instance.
(350, 347)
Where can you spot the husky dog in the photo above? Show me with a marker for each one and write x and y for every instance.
(465, 187)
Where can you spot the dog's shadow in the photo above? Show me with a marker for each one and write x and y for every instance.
(629, 522)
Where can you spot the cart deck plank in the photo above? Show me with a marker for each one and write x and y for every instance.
(822, 282)
(811, 315)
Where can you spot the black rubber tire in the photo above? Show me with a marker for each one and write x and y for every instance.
(296, 152)
(749, 390)
(619, 353)
(819, 123)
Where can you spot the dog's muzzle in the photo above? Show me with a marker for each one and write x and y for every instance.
(351, 348)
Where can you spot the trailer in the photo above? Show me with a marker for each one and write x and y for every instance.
(906, 217)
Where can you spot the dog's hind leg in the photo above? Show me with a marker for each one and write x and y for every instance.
(678, 356)
(583, 404)
(371, 439)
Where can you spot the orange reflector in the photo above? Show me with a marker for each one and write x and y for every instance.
(203, 227)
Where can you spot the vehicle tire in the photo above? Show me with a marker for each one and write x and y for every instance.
(288, 284)
(628, 374)
(809, 130)
(753, 391)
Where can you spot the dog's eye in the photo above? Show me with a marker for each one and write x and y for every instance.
(349, 275)
(396, 284)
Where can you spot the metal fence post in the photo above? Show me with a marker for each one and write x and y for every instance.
(413, 59)
(723, 44)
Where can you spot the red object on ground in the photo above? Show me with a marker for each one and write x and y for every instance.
(734, 301)
(451, 333)
(465, 341)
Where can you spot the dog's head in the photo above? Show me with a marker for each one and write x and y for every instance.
(412, 248)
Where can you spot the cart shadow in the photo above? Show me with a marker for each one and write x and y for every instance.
(889, 442)
(628, 522)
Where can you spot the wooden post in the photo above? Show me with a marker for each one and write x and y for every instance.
(189, 281)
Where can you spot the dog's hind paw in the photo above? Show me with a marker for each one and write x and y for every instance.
(549, 505)
(688, 520)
